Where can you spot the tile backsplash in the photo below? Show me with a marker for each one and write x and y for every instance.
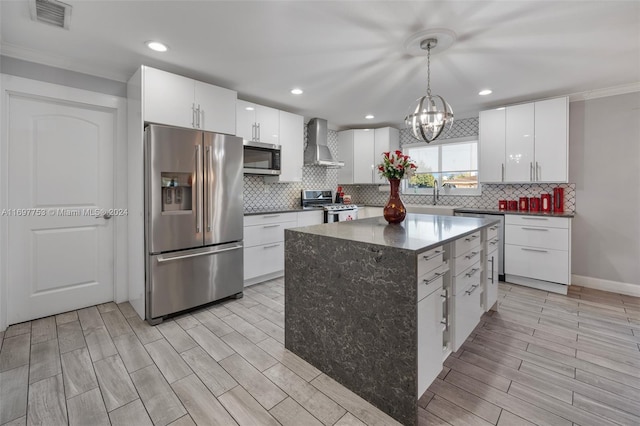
(258, 194)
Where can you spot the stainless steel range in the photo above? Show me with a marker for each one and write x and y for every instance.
(333, 212)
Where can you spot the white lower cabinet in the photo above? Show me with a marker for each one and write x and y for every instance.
(538, 248)
(429, 338)
(365, 212)
(310, 217)
(264, 245)
(490, 275)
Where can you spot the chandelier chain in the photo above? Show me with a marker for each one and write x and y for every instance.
(429, 69)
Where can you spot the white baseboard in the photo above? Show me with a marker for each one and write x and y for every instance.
(606, 285)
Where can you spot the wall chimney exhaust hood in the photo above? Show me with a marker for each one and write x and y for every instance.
(317, 152)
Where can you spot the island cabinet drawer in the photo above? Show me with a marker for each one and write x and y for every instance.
(467, 259)
(431, 281)
(430, 260)
(266, 233)
(492, 245)
(551, 222)
(263, 219)
(465, 244)
(492, 231)
(538, 236)
(467, 278)
(540, 264)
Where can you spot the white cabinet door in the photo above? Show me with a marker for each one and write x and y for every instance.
(386, 139)
(263, 260)
(168, 98)
(519, 143)
(345, 153)
(467, 313)
(551, 143)
(217, 108)
(492, 145)
(490, 293)
(429, 340)
(363, 162)
(313, 217)
(245, 120)
(540, 264)
(268, 120)
(291, 141)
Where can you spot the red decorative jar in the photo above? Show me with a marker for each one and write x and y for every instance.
(512, 205)
(534, 204)
(545, 203)
(502, 204)
(524, 204)
(394, 211)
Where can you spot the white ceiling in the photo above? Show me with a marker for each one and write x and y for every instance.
(348, 56)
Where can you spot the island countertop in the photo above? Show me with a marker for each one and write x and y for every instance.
(418, 232)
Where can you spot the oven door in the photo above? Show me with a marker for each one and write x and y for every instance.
(341, 215)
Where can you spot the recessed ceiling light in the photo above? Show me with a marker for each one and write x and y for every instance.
(369, 117)
(485, 92)
(297, 91)
(499, 109)
(366, 130)
(249, 108)
(157, 46)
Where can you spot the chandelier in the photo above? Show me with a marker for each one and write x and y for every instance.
(430, 114)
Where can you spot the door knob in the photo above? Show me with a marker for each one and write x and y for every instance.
(106, 216)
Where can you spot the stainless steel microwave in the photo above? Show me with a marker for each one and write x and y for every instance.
(261, 158)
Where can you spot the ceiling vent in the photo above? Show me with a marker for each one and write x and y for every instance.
(51, 12)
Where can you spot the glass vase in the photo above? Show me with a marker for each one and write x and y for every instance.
(394, 210)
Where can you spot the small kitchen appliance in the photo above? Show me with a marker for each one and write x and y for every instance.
(545, 201)
(333, 212)
(534, 204)
(261, 158)
(558, 200)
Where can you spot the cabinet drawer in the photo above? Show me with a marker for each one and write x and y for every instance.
(541, 264)
(465, 244)
(492, 245)
(431, 281)
(262, 219)
(467, 278)
(262, 260)
(537, 236)
(265, 234)
(492, 231)
(551, 222)
(430, 260)
(467, 259)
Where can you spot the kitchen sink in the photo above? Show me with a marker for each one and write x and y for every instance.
(430, 209)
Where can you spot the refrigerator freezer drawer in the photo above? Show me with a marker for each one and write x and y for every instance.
(190, 278)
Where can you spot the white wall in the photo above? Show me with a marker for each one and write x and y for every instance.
(604, 163)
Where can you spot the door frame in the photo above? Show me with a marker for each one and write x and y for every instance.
(12, 86)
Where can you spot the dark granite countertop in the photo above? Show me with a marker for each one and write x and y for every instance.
(257, 211)
(418, 232)
(496, 211)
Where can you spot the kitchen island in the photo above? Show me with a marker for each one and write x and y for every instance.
(378, 307)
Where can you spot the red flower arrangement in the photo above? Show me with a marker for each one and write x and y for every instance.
(395, 165)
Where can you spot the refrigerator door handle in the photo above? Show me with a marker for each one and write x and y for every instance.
(162, 258)
(198, 182)
(208, 178)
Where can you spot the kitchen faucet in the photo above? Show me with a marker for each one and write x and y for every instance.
(436, 191)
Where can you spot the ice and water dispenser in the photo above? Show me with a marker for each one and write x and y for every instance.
(176, 192)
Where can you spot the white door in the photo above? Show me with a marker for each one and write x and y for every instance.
(60, 171)
(492, 145)
(168, 98)
(217, 108)
(268, 124)
(519, 133)
(363, 146)
(245, 120)
(551, 145)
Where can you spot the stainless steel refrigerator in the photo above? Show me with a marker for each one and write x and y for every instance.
(193, 219)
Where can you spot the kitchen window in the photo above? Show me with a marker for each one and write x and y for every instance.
(453, 163)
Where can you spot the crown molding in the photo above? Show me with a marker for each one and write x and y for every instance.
(605, 92)
(43, 58)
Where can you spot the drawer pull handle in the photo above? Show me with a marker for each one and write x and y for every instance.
(270, 226)
(473, 288)
(473, 253)
(432, 279)
(433, 255)
(472, 272)
(271, 215)
(493, 228)
(494, 242)
(471, 238)
(533, 218)
(535, 229)
(445, 309)
(536, 250)
(271, 246)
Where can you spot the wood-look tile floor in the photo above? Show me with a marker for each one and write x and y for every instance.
(541, 359)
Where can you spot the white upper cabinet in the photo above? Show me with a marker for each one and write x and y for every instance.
(257, 122)
(361, 151)
(552, 135)
(292, 147)
(492, 145)
(180, 101)
(525, 143)
(519, 143)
